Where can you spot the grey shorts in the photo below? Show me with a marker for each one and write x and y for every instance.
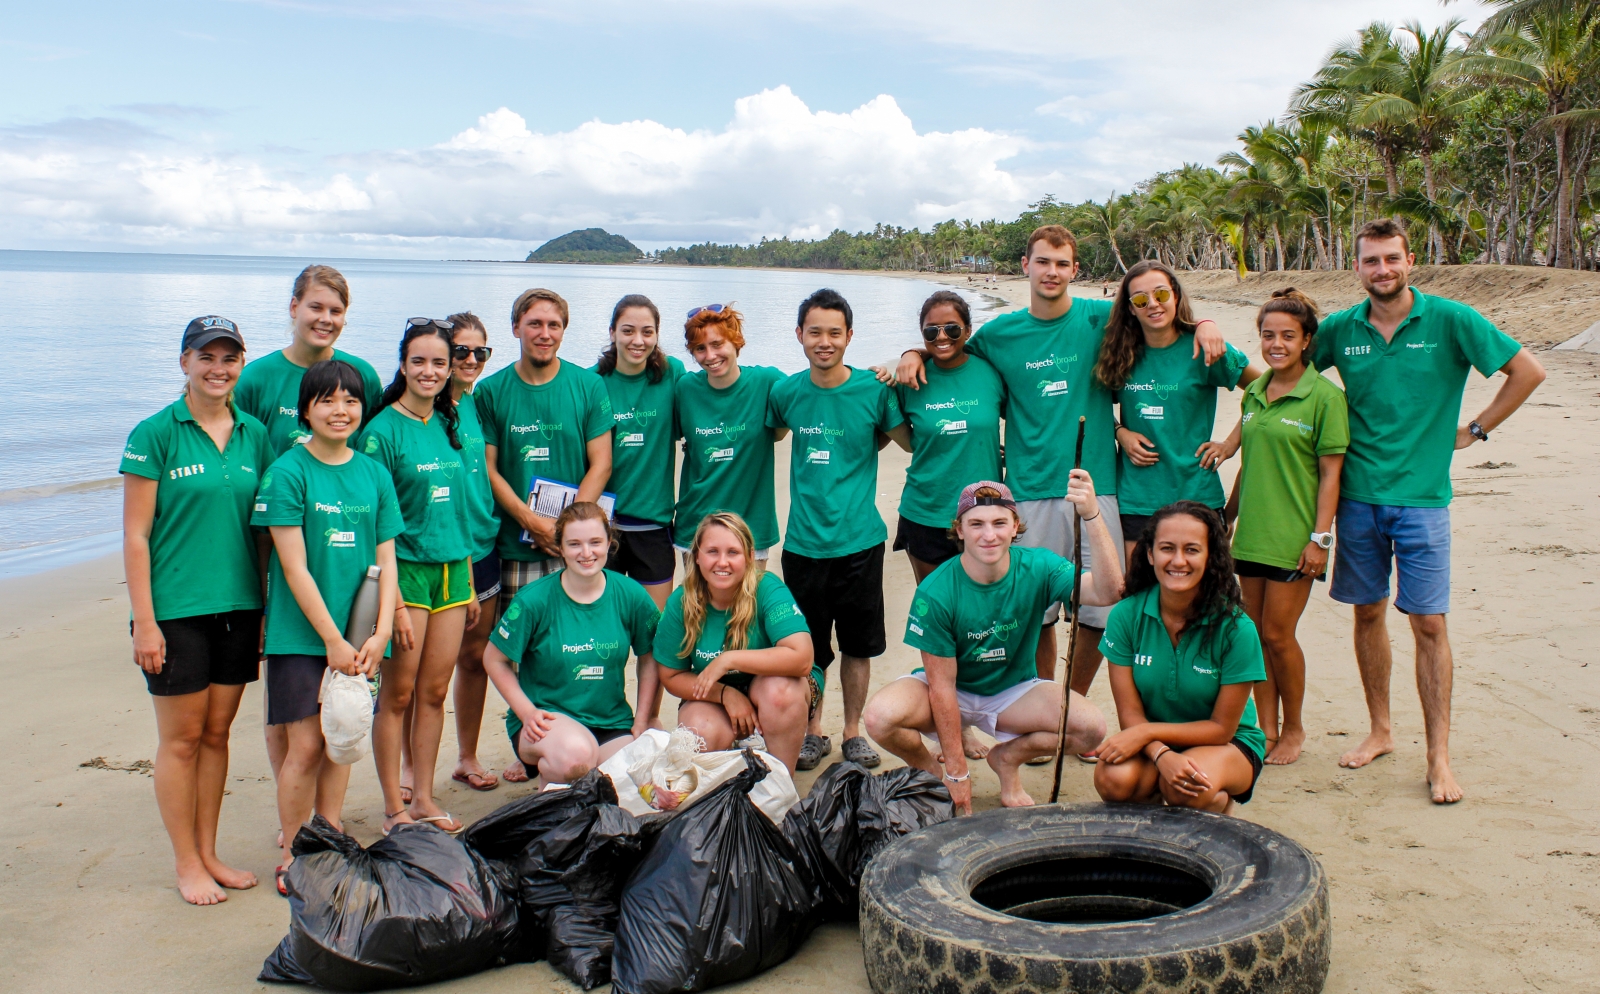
(1049, 524)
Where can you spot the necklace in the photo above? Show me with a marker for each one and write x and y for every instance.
(411, 412)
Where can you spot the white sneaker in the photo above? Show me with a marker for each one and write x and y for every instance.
(754, 741)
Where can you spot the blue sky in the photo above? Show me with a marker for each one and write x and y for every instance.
(479, 129)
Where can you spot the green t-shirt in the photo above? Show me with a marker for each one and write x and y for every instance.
(641, 443)
(833, 461)
(269, 391)
(1180, 685)
(1405, 394)
(430, 479)
(990, 629)
(955, 438)
(345, 513)
(1171, 399)
(540, 431)
(484, 525)
(202, 554)
(572, 658)
(727, 453)
(777, 618)
(1048, 369)
(1278, 474)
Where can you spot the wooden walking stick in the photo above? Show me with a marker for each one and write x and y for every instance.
(1072, 628)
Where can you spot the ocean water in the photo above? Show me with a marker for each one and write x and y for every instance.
(92, 339)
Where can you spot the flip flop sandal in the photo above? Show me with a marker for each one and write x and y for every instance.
(1039, 761)
(812, 751)
(438, 820)
(405, 794)
(856, 750)
(278, 874)
(477, 781)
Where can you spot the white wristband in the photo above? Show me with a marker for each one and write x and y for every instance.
(963, 778)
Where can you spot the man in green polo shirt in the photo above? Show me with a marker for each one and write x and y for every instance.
(1403, 357)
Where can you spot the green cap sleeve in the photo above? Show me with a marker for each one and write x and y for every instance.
(1242, 661)
(928, 626)
(391, 523)
(281, 499)
(1117, 645)
(146, 452)
(780, 614)
(669, 633)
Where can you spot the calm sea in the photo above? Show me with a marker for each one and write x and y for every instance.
(92, 339)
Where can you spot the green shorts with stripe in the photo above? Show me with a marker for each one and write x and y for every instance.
(435, 587)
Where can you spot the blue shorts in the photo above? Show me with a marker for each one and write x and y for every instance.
(1415, 539)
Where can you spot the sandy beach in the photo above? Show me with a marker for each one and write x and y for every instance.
(1500, 893)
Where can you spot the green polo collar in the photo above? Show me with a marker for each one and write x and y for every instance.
(1419, 307)
(1302, 390)
(1152, 602)
(181, 412)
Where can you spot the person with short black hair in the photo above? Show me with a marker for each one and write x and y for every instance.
(189, 478)
(833, 549)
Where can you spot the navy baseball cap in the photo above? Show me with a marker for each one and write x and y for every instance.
(203, 331)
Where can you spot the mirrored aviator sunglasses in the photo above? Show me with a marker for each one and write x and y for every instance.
(459, 353)
(713, 308)
(1142, 299)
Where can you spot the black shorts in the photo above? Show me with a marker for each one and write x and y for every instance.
(841, 596)
(924, 543)
(1255, 772)
(486, 576)
(207, 649)
(601, 736)
(645, 556)
(1133, 524)
(294, 684)
(1278, 574)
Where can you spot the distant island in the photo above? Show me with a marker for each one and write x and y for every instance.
(594, 246)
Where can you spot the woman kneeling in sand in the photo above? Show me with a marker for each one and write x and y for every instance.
(976, 620)
(1184, 659)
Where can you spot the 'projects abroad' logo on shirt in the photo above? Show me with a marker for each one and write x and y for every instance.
(1053, 385)
(631, 426)
(722, 437)
(1304, 428)
(546, 430)
(819, 433)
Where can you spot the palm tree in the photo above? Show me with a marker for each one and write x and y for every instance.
(1351, 74)
(1109, 218)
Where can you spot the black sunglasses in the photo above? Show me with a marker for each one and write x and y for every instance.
(951, 331)
(439, 323)
(460, 352)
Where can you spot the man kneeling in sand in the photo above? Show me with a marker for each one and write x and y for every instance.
(975, 619)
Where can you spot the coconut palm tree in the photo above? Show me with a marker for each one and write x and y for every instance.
(1334, 98)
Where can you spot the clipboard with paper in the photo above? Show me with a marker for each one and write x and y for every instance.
(548, 498)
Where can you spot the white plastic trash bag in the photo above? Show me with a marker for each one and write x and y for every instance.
(346, 716)
(649, 770)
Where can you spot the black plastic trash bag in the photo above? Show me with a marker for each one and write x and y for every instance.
(896, 803)
(414, 908)
(718, 897)
(569, 884)
(505, 832)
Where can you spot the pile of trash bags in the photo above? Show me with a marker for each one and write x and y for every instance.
(728, 882)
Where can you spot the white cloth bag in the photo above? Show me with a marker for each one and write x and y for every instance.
(346, 716)
(691, 777)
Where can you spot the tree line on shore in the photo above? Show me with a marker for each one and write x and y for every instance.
(1483, 144)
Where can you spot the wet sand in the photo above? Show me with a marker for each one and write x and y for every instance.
(1499, 893)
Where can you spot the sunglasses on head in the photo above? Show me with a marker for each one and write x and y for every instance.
(439, 323)
(951, 331)
(1141, 299)
(459, 353)
(713, 308)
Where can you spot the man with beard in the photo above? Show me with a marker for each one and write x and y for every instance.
(1403, 357)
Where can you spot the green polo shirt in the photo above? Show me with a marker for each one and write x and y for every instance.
(1171, 399)
(1405, 394)
(1180, 685)
(955, 438)
(1048, 369)
(541, 431)
(641, 442)
(269, 391)
(991, 629)
(430, 480)
(1278, 474)
(345, 512)
(777, 617)
(727, 453)
(833, 461)
(202, 555)
(485, 524)
(572, 658)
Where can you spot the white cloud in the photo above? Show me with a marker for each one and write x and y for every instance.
(777, 168)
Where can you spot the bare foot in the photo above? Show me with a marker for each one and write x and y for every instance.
(1371, 747)
(1016, 797)
(429, 809)
(971, 746)
(197, 887)
(405, 784)
(656, 724)
(515, 773)
(228, 877)
(401, 817)
(1287, 749)
(1442, 783)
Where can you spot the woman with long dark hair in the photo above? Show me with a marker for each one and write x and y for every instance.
(189, 477)
(1184, 657)
(1166, 395)
(414, 436)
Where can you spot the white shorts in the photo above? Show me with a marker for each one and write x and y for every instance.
(1049, 524)
(982, 712)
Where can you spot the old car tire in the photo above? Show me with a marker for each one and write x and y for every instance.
(1256, 919)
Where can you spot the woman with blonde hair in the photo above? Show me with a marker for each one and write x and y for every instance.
(734, 647)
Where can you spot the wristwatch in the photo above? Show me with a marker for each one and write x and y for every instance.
(1478, 432)
(1324, 540)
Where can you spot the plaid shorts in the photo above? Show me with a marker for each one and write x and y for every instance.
(515, 575)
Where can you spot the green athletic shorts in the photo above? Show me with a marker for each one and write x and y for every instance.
(436, 587)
